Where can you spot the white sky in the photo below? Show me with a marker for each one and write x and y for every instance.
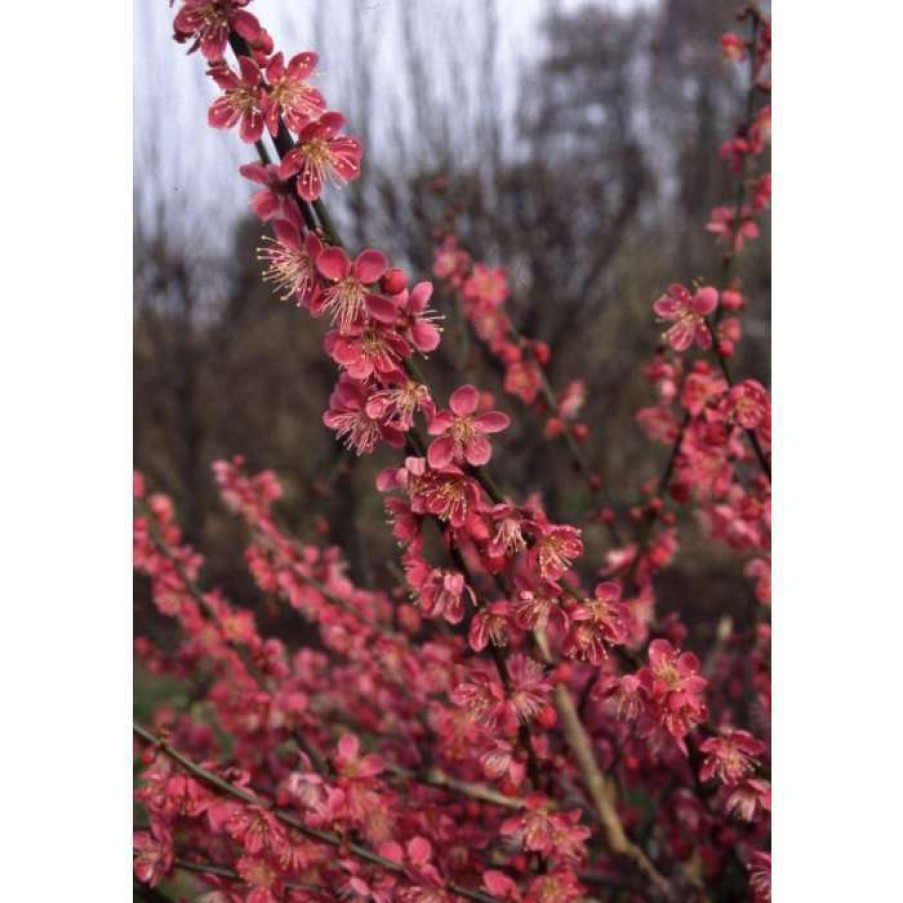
(197, 164)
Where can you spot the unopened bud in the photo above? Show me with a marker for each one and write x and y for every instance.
(393, 281)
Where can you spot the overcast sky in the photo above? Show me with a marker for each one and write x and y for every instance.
(195, 165)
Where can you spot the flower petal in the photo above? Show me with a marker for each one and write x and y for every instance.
(381, 308)
(441, 452)
(333, 263)
(464, 400)
(370, 265)
(478, 451)
(492, 422)
(705, 300)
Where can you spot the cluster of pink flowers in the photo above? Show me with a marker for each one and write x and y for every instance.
(734, 225)
(481, 291)
(430, 746)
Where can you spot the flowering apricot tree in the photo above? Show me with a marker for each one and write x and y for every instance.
(494, 728)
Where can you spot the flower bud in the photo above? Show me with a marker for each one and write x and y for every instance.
(541, 352)
(393, 281)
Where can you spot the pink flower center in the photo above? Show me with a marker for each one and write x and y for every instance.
(666, 672)
(293, 94)
(345, 302)
(291, 271)
(463, 430)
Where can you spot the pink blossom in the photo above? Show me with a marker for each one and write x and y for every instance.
(322, 155)
(688, 313)
(261, 877)
(275, 198)
(414, 320)
(444, 594)
(555, 549)
(486, 286)
(700, 388)
(659, 423)
(522, 378)
(529, 688)
(347, 296)
(733, 47)
(539, 608)
(291, 263)
(351, 765)
(748, 404)
(760, 876)
(730, 756)
(348, 416)
(674, 687)
(245, 100)
(153, 853)
(761, 192)
(399, 401)
(489, 625)
(508, 525)
(596, 624)
(749, 799)
(462, 433)
(290, 94)
(452, 262)
(207, 24)
(365, 349)
(723, 223)
(572, 400)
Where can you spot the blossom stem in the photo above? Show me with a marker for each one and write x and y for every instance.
(601, 792)
(435, 777)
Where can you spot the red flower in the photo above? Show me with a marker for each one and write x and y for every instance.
(447, 494)
(462, 436)
(350, 765)
(760, 876)
(489, 624)
(291, 96)
(486, 286)
(443, 595)
(659, 423)
(555, 549)
(153, 854)
(733, 47)
(245, 99)
(367, 348)
(730, 757)
(722, 222)
(276, 197)
(674, 689)
(750, 799)
(396, 405)
(415, 320)
(347, 415)
(321, 156)
(688, 313)
(596, 624)
(348, 298)
(292, 263)
(208, 22)
(748, 404)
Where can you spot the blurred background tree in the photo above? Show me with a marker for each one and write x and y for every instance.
(581, 152)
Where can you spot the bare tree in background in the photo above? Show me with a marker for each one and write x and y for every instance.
(589, 176)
